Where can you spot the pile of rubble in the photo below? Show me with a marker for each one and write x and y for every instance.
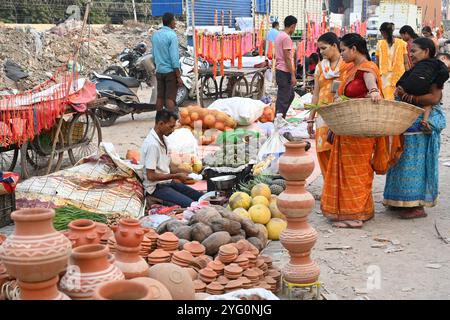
(41, 53)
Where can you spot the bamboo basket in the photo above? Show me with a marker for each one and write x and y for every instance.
(363, 118)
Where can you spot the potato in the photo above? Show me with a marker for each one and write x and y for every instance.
(262, 234)
(183, 232)
(235, 228)
(200, 231)
(256, 242)
(228, 214)
(242, 233)
(205, 215)
(215, 241)
(250, 228)
(163, 227)
(220, 225)
(174, 224)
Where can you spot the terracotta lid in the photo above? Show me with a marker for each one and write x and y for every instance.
(208, 273)
(233, 284)
(215, 286)
(233, 269)
(270, 281)
(158, 254)
(194, 247)
(200, 262)
(216, 265)
(244, 243)
(184, 255)
(274, 273)
(253, 249)
(199, 285)
(241, 259)
(244, 280)
(260, 272)
(267, 259)
(259, 262)
(168, 237)
(264, 285)
(223, 280)
(249, 255)
(228, 250)
(251, 274)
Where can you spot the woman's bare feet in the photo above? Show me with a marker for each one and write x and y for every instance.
(413, 213)
(351, 224)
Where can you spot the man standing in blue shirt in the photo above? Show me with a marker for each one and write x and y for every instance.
(167, 60)
(272, 34)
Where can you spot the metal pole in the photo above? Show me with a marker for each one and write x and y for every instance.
(197, 89)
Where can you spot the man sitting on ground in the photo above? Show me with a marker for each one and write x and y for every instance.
(160, 177)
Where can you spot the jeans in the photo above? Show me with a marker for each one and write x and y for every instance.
(286, 93)
(175, 193)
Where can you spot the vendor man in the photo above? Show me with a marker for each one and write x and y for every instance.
(160, 177)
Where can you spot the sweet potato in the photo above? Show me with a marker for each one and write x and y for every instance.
(236, 238)
(200, 231)
(256, 242)
(249, 227)
(183, 232)
(214, 241)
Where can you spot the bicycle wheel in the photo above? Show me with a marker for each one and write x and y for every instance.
(85, 134)
(35, 156)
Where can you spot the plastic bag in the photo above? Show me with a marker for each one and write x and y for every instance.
(244, 111)
(299, 102)
(182, 145)
(275, 144)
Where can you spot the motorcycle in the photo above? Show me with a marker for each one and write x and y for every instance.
(121, 83)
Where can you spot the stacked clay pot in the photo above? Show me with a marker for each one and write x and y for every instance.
(207, 275)
(233, 271)
(152, 235)
(295, 165)
(215, 288)
(228, 253)
(182, 258)
(146, 246)
(85, 231)
(217, 266)
(233, 285)
(195, 248)
(89, 267)
(199, 286)
(35, 254)
(129, 234)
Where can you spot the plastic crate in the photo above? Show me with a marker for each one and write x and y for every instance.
(7, 205)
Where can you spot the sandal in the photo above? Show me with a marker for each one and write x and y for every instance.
(413, 214)
(350, 224)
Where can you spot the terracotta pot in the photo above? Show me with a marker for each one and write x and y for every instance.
(85, 231)
(130, 262)
(296, 204)
(35, 252)
(157, 289)
(89, 268)
(44, 290)
(295, 163)
(129, 232)
(295, 201)
(122, 290)
(175, 279)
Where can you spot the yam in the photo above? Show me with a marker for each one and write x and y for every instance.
(242, 233)
(256, 242)
(234, 228)
(220, 225)
(231, 215)
(236, 238)
(163, 227)
(200, 231)
(251, 230)
(215, 241)
(183, 232)
(174, 224)
(205, 215)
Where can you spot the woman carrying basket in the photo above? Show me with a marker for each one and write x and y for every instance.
(329, 73)
(412, 182)
(347, 194)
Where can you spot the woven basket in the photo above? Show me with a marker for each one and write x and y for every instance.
(363, 118)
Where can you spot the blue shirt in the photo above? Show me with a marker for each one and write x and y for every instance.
(165, 50)
(271, 36)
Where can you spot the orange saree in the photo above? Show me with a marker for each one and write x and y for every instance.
(347, 191)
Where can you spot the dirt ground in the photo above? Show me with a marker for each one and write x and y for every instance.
(413, 263)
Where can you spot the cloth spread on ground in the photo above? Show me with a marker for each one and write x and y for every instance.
(103, 183)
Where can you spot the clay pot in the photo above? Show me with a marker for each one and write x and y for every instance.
(192, 272)
(122, 290)
(130, 262)
(295, 201)
(296, 204)
(44, 290)
(35, 252)
(199, 286)
(215, 288)
(195, 248)
(295, 163)
(89, 267)
(157, 289)
(177, 280)
(128, 233)
(85, 231)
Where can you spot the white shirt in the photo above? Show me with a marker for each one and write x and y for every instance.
(154, 156)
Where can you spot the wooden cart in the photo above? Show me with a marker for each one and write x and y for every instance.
(245, 82)
(77, 133)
